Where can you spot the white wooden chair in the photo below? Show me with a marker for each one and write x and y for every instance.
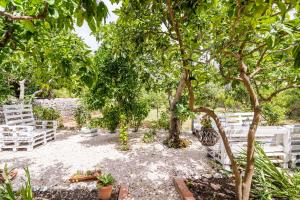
(21, 131)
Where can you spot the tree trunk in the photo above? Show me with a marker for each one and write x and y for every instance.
(174, 131)
(22, 90)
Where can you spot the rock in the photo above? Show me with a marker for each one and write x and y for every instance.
(208, 176)
(215, 186)
(218, 175)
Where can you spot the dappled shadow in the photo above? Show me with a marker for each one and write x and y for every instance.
(64, 135)
(149, 174)
(102, 139)
(148, 169)
(53, 174)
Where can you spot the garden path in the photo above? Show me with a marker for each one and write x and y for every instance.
(148, 169)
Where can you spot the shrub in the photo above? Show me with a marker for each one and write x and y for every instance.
(164, 120)
(82, 116)
(270, 181)
(149, 137)
(44, 113)
(96, 123)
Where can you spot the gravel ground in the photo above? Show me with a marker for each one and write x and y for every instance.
(148, 169)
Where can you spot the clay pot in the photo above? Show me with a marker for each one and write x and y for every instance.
(104, 193)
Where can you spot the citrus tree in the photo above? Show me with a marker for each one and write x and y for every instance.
(24, 22)
(255, 45)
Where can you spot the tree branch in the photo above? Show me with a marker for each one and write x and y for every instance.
(12, 17)
(258, 68)
(274, 94)
(7, 36)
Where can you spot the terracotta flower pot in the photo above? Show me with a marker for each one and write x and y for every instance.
(104, 193)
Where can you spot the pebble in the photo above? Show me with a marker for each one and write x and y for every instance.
(208, 176)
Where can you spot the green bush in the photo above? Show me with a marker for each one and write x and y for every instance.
(273, 114)
(82, 116)
(111, 118)
(96, 123)
(149, 137)
(44, 113)
(164, 121)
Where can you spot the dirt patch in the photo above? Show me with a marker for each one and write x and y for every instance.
(212, 188)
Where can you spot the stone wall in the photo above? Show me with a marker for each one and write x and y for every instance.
(2, 120)
(66, 106)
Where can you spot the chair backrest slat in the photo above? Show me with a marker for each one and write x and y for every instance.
(19, 114)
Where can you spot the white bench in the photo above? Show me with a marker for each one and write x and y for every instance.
(275, 140)
(295, 144)
(21, 131)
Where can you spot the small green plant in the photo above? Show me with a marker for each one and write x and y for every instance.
(26, 191)
(149, 137)
(123, 134)
(206, 122)
(6, 188)
(105, 180)
(43, 113)
(96, 123)
(164, 120)
(82, 116)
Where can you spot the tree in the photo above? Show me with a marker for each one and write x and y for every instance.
(254, 46)
(152, 31)
(23, 21)
(115, 87)
(50, 60)
(19, 19)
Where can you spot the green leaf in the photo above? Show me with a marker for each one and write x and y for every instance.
(79, 17)
(297, 60)
(3, 3)
(91, 23)
(51, 2)
(28, 25)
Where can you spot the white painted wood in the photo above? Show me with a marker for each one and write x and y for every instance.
(275, 141)
(21, 131)
(295, 144)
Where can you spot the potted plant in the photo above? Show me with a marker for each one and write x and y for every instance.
(104, 186)
(207, 136)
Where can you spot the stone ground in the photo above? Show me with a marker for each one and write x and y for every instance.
(147, 169)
